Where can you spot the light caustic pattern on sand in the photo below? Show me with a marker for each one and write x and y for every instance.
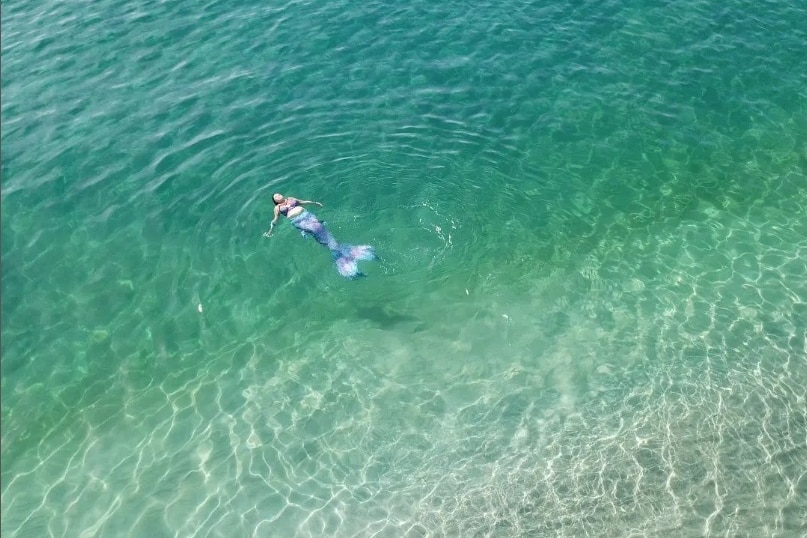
(699, 427)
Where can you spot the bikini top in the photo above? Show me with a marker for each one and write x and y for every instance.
(287, 204)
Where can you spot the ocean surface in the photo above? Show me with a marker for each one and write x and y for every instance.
(589, 315)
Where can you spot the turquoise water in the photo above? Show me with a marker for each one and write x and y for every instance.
(589, 317)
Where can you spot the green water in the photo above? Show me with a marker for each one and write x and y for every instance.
(589, 317)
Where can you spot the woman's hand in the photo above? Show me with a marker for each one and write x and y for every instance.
(318, 203)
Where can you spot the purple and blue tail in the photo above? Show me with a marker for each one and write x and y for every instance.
(346, 258)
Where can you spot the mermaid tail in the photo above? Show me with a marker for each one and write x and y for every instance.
(346, 257)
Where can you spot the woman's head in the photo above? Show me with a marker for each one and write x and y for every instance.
(277, 198)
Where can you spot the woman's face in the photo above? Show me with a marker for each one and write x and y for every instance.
(278, 198)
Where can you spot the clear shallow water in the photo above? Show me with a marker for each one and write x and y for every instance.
(589, 318)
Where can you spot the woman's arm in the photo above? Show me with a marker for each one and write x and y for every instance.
(268, 233)
(301, 202)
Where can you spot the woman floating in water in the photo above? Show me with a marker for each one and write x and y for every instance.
(345, 256)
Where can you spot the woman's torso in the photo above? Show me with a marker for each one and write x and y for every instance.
(290, 207)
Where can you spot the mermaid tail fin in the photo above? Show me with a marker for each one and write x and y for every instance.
(346, 258)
